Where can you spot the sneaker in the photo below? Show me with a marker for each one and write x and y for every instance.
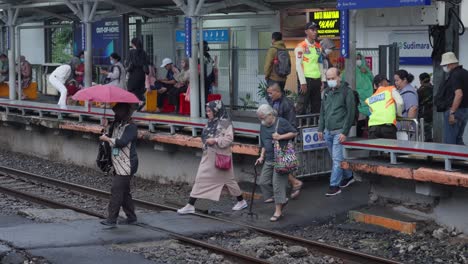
(108, 222)
(128, 222)
(347, 182)
(333, 190)
(188, 209)
(240, 205)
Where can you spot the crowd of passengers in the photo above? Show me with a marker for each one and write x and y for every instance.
(24, 69)
(136, 74)
(373, 107)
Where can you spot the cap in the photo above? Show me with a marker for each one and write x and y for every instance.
(311, 24)
(448, 58)
(379, 78)
(165, 62)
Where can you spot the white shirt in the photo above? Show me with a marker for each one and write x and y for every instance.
(62, 73)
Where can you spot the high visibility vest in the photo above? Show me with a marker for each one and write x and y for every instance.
(310, 59)
(382, 107)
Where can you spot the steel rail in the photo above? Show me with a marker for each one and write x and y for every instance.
(53, 204)
(339, 252)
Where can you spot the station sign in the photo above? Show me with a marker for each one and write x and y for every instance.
(365, 4)
(344, 33)
(209, 35)
(107, 36)
(188, 38)
(328, 21)
(310, 139)
(414, 47)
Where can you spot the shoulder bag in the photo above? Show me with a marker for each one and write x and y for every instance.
(223, 162)
(285, 158)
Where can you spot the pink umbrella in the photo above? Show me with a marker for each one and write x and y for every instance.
(105, 94)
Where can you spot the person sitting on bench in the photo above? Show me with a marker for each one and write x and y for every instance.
(3, 68)
(165, 85)
(25, 70)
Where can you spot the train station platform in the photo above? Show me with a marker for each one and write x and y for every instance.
(428, 179)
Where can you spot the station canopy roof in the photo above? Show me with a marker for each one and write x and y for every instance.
(39, 10)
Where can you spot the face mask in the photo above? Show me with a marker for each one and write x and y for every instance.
(359, 63)
(263, 122)
(328, 51)
(82, 59)
(445, 68)
(332, 83)
(112, 61)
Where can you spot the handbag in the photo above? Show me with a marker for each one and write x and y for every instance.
(223, 162)
(104, 160)
(285, 158)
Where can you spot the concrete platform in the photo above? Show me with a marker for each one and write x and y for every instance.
(311, 206)
(87, 241)
(88, 255)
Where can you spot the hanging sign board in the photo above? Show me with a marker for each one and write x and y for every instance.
(365, 4)
(328, 21)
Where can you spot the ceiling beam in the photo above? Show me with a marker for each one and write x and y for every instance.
(51, 14)
(130, 8)
(216, 6)
(182, 6)
(256, 4)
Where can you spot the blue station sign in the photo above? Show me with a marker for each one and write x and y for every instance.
(209, 35)
(365, 4)
(344, 33)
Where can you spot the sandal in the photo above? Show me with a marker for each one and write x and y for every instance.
(298, 187)
(295, 193)
(275, 218)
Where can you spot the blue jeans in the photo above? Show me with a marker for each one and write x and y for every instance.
(453, 134)
(336, 152)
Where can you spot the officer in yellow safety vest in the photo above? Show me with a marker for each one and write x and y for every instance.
(385, 104)
(309, 70)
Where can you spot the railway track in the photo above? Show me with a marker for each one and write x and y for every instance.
(342, 253)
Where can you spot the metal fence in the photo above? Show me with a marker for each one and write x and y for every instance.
(314, 159)
(240, 74)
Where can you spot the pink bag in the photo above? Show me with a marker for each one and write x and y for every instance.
(223, 162)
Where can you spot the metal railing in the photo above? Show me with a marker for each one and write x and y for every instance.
(314, 159)
(410, 129)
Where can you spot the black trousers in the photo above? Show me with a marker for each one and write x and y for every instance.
(383, 131)
(312, 97)
(121, 197)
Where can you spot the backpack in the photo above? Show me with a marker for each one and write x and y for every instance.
(356, 101)
(282, 62)
(407, 92)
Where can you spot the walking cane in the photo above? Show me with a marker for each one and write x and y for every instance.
(250, 213)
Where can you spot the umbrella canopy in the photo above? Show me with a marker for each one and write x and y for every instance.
(105, 94)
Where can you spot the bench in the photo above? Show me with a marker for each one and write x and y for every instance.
(394, 147)
(30, 92)
(184, 106)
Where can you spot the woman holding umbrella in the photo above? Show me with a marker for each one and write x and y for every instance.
(124, 162)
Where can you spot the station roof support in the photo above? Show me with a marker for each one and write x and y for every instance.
(197, 97)
(10, 17)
